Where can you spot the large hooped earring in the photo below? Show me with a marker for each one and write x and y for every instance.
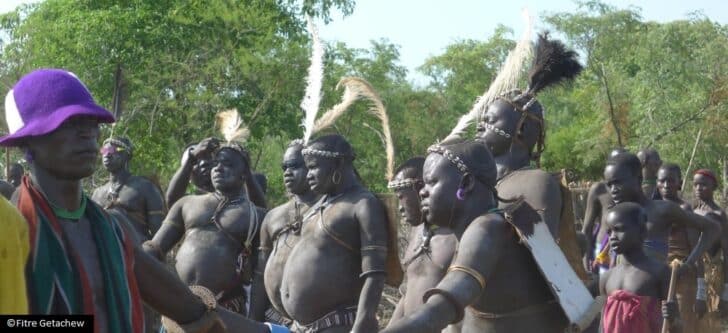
(460, 194)
(336, 177)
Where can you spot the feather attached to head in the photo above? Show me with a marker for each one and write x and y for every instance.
(231, 126)
(314, 82)
(506, 79)
(553, 64)
(355, 89)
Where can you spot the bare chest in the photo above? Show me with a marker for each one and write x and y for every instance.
(80, 238)
(633, 280)
(233, 219)
(335, 221)
(128, 196)
(429, 255)
(658, 224)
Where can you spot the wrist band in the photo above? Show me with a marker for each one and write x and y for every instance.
(457, 307)
(724, 295)
(701, 293)
(156, 252)
(273, 328)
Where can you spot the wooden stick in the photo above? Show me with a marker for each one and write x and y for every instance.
(692, 156)
(675, 265)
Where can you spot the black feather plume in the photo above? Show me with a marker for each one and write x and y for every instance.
(552, 64)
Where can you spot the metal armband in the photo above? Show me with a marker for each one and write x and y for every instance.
(457, 306)
(202, 324)
(373, 260)
(470, 272)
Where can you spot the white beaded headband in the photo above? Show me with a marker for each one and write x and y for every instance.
(403, 183)
(454, 159)
(322, 153)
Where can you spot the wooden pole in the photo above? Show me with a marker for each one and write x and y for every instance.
(725, 184)
(675, 265)
(692, 156)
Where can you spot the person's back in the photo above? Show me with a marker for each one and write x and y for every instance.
(637, 284)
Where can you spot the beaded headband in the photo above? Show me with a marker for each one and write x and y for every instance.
(119, 143)
(497, 130)
(237, 148)
(322, 153)
(454, 159)
(403, 183)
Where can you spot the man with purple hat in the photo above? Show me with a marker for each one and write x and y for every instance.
(81, 259)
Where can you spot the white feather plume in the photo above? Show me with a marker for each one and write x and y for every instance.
(352, 93)
(355, 89)
(506, 79)
(314, 82)
(231, 126)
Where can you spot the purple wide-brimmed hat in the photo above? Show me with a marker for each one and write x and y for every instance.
(42, 100)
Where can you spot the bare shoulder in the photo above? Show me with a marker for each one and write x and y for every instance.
(280, 210)
(365, 199)
(597, 189)
(278, 213)
(661, 208)
(539, 176)
(191, 200)
(142, 182)
(718, 215)
(487, 223)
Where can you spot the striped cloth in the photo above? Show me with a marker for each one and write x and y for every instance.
(58, 282)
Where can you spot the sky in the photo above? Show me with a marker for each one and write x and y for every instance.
(423, 28)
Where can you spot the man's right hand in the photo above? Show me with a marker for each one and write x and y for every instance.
(205, 148)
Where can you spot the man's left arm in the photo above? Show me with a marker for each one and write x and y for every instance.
(155, 208)
(373, 234)
(709, 230)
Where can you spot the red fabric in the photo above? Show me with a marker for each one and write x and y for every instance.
(626, 312)
(707, 173)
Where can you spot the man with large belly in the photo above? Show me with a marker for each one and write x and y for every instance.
(220, 231)
(279, 233)
(335, 274)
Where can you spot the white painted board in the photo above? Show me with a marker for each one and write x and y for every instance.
(576, 301)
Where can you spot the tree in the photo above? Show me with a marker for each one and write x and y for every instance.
(181, 62)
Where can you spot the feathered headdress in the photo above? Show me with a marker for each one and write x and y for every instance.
(312, 97)
(231, 126)
(506, 79)
(355, 89)
(553, 64)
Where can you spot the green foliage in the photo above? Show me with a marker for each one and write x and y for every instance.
(665, 80)
(656, 84)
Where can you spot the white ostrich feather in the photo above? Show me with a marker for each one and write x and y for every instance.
(506, 79)
(231, 126)
(314, 82)
(355, 89)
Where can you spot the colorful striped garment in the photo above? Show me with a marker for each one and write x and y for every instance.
(57, 280)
